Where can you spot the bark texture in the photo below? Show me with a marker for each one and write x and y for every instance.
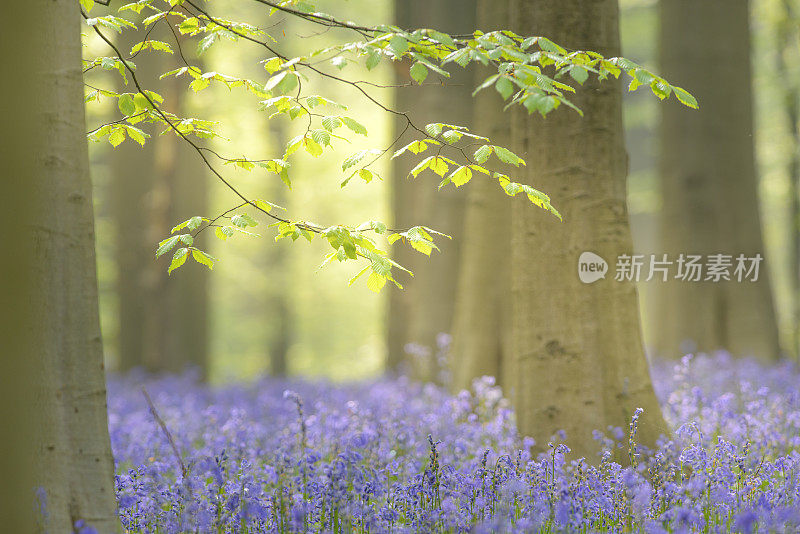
(75, 466)
(708, 181)
(481, 324)
(577, 356)
(424, 308)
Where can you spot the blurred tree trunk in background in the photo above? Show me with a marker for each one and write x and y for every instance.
(425, 308)
(787, 35)
(66, 401)
(577, 355)
(708, 183)
(278, 308)
(22, 44)
(481, 324)
(163, 321)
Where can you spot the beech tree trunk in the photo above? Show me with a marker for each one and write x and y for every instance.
(577, 356)
(424, 308)
(73, 453)
(708, 181)
(22, 45)
(481, 324)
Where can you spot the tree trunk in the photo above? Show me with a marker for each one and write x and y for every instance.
(424, 308)
(787, 34)
(708, 181)
(577, 356)
(74, 455)
(481, 324)
(163, 321)
(278, 306)
(22, 46)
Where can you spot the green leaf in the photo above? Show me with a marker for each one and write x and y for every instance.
(223, 232)
(504, 86)
(203, 258)
(166, 245)
(126, 104)
(506, 156)
(483, 153)
(178, 259)
(243, 220)
(117, 136)
(439, 166)
(418, 72)
(399, 45)
(354, 125)
(375, 282)
(579, 73)
(685, 97)
(87, 5)
(373, 60)
(194, 223)
(460, 176)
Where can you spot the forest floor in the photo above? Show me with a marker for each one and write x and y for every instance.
(393, 455)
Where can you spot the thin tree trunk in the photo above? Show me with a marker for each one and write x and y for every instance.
(481, 324)
(577, 356)
(278, 303)
(22, 46)
(708, 180)
(187, 290)
(424, 308)
(74, 457)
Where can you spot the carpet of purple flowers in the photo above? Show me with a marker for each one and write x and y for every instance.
(395, 456)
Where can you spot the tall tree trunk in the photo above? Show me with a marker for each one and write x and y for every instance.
(278, 303)
(481, 324)
(577, 356)
(708, 182)
(787, 35)
(22, 46)
(163, 321)
(425, 307)
(75, 466)
(185, 178)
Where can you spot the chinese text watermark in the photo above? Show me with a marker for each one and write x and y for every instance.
(662, 267)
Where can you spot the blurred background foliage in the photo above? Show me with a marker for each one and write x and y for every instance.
(267, 301)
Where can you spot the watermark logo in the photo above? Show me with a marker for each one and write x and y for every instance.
(591, 267)
(662, 267)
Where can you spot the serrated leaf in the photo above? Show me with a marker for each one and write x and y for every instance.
(483, 153)
(504, 86)
(506, 156)
(166, 245)
(418, 72)
(685, 97)
(178, 259)
(579, 73)
(126, 104)
(460, 176)
(398, 44)
(373, 60)
(375, 282)
(203, 258)
(117, 136)
(354, 125)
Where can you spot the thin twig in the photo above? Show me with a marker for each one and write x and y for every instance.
(164, 429)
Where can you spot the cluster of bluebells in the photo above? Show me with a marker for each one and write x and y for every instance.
(396, 456)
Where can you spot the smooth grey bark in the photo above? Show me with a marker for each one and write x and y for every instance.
(21, 46)
(424, 308)
(577, 355)
(74, 462)
(482, 322)
(708, 184)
